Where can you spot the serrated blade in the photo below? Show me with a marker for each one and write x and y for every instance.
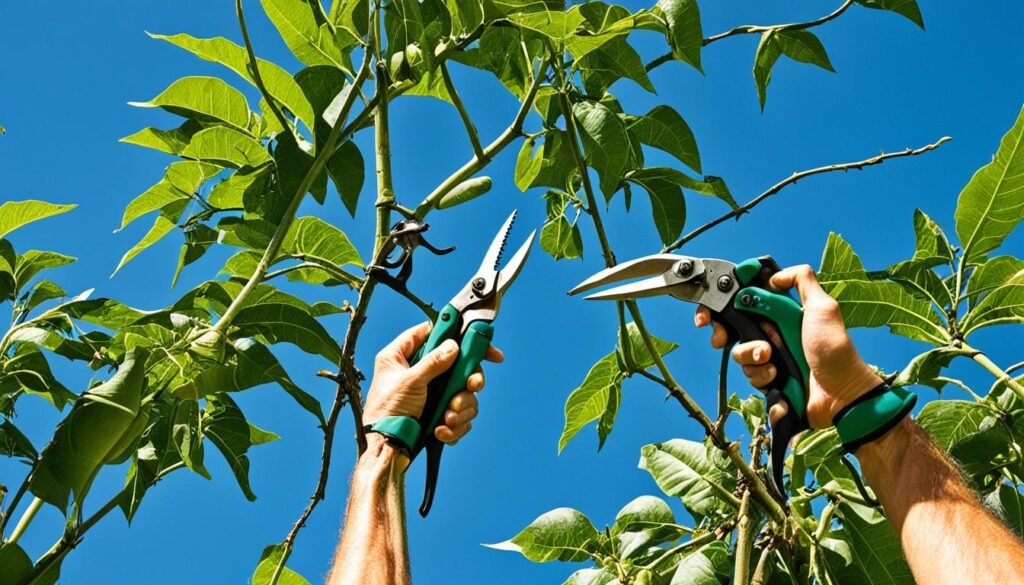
(489, 265)
(508, 274)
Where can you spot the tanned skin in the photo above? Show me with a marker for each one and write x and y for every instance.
(948, 537)
(373, 548)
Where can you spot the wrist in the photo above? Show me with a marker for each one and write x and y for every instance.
(381, 461)
(887, 450)
(862, 380)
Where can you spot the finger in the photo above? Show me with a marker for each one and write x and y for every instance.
(475, 382)
(803, 278)
(752, 353)
(494, 355)
(407, 343)
(451, 435)
(759, 375)
(702, 317)
(453, 419)
(772, 332)
(719, 337)
(462, 401)
(435, 363)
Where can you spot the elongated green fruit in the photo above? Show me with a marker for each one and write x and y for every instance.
(464, 191)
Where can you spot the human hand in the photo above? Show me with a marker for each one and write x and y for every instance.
(398, 389)
(838, 374)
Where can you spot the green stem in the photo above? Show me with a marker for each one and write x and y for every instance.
(997, 372)
(453, 92)
(669, 553)
(254, 69)
(762, 563)
(25, 520)
(746, 530)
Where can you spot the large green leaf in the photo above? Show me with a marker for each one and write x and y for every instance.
(83, 441)
(403, 23)
(165, 223)
(603, 23)
(700, 477)
(707, 565)
(233, 435)
(15, 564)
(169, 141)
(207, 99)
(685, 35)
(14, 443)
(271, 559)
(312, 237)
(280, 322)
(1007, 503)
(28, 370)
(665, 129)
(563, 534)
(589, 401)
(312, 43)
(930, 243)
(156, 455)
(15, 214)
(616, 60)
(668, 207)
(645, 522)
(32, 262)
(871, 303)
(551, 165)
(907, 8)
(765, 57)
(558, 26)
(1004, 304)
(279, 82)
(926, 368)
(992, 203)
(803, 46)
(993, 273)
(951, 421)
(639, 355)
(180, 181)
(607, 146)
(865, 549)
(347, 170)
(226, 146)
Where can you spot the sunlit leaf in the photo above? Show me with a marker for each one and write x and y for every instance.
(15, 214)
(207, 99)
(226, 146)
(686, 37)
(311, 42)
(803, 46)
(233, 435)
(665, 129)
(689, 471)
(589, 401)
(607, 146)
(270, 560)
(279, 322)
(907, 8)
(559, 535)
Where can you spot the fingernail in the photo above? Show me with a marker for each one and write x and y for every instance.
(757, 355)
(449, 347)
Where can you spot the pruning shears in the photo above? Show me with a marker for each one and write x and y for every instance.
(738, 297)
(468, 319)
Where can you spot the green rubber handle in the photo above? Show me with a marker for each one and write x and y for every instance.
(446, 326)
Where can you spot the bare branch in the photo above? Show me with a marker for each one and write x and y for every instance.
(792, 179)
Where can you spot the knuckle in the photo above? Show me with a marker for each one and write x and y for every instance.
(804, 271)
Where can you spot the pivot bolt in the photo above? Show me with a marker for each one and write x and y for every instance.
(724, 283)
(446, 317)
(747, 300)
(684, 268)
(479, 283)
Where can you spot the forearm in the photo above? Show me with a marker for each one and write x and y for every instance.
(946, 534)
(373, 548)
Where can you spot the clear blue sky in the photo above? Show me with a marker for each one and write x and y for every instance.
(69, 71)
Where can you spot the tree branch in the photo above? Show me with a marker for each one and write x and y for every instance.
(254, 69)
(474, 136)
(746, 530)
(858, 165)
(746, 29)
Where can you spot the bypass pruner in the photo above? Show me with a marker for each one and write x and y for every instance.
(468, 319)
(738, 298)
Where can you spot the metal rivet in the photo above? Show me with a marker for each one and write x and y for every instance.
(684, 268)
(747, 300)
(724, 282)
(479, 283)
(446, 317)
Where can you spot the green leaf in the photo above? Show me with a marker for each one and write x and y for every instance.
(705, 566)
(226, 146)
(279, 82)
(927, 367)
(990, 275)
(559, 237)
(352, 16)
(279, 322)
(1005, 304)
(198, 239)
(562, 534)
(872, 547)
(930, 243)
(645, 522)
(616, 60)
(751, 409)
(700, 477)
(180, 181)
(347, 169)
(768, 52)
(228, 429)
(164, 224)
(169, 141)
(907, 8)
(611, 410)
(1008, 504)
(466, 15)
(664, 129)
(685, 36)
(243, 185)
(15, 214)
(668, 207)
(292, 164)
(403, 23)
(803, 46)
(604, 23)
(29, 371)
(270, 560)
(869, 303)
(32, 262)
(13, 443)
(83, 440)
(310, 42)
(206, 99)
(991, 204)
(15, 564)
(589, 401)
(607, 146)
(187, 433)
(640, 357)
(556, 25)
(551, 165)
(312, 237)
(949, 422)
(605, 576)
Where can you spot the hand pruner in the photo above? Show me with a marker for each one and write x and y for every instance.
(468, 319)
(738, 298)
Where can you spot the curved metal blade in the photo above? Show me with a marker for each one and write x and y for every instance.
(645, 266)
(508, 274)
(489, 265)
(649, 287)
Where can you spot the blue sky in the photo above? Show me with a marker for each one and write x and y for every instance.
(68, 73)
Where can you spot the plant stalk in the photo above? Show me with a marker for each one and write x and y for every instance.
(997, 372)
(25, 520)
(474, 136)
(746, 530)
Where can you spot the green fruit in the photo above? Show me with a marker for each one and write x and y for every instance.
(465, 191)
(397, 66)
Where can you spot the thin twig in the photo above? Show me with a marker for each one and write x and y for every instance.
(858, 165)
(254, 69)
(746, 29)
(474, 136)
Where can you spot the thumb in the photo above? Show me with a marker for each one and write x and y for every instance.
(436, 362)
(805, 281)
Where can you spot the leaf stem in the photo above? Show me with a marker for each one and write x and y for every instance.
(746, 29)
(669, 553)
(254, 69)
(997, 372)
(858, 165)
(474, 136)
(25, 520)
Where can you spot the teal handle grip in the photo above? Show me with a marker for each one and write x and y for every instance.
(446, 326)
